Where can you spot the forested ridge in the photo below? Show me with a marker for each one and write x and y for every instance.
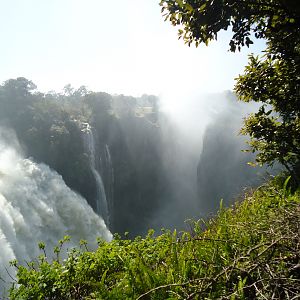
(50, 128)
(143, 161)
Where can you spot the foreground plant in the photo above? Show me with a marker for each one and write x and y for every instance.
(249, 251)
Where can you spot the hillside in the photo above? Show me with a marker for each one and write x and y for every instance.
(248, 251)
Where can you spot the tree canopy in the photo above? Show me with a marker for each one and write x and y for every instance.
(202, 20)
(272, 79)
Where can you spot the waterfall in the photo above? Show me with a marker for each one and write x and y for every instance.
(111, 179)
(101, 201)
(36, 205)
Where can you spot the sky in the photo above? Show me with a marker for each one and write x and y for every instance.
(118, 47)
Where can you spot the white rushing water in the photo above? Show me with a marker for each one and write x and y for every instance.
(111, 181)
(101, 201)
(36, 205)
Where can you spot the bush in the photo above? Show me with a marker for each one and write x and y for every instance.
(249, 251)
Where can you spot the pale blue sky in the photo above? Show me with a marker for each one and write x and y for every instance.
(119, 46)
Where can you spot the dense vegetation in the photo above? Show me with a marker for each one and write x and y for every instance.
(249, 251)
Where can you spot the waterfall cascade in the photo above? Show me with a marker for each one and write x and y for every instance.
(111, 181)
(36, 205)
(102, 208)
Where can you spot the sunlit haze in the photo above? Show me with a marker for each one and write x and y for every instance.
(119, 47)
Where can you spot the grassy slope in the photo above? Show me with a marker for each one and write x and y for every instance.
(250, 251)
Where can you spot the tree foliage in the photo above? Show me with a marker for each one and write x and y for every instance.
(272, 79)
(200, 21)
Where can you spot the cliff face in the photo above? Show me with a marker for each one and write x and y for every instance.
(139, 172)
(132, 171)
(223, 171)
(127, 147)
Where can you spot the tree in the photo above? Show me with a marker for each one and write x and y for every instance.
(16, 95)
(272, 79)
(202, 20)
(19, 87)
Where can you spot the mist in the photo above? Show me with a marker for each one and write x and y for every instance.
(203, 155)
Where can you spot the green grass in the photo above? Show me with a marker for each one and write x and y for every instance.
(249, 251)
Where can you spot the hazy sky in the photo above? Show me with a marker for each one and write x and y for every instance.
(119, 46)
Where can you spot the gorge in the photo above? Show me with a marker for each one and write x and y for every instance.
(91, 164)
